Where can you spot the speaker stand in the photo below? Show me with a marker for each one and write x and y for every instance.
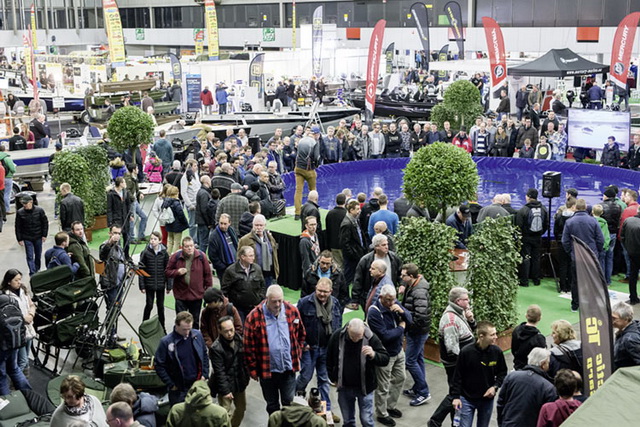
(546, 255)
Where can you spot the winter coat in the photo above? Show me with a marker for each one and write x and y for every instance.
(118, 208)
(198, 409)
(27, 307)
(307, 308)
(206, 97)
(31, 224)
(527, 133)
(189, 186)
(168, 364)
(201, 278)
(335, 359)
(611, 212)
(82, 255)
(155, 264)
(522, 395)
(522, 219)
(180, 223)
(340, 287)
(525, 338)
(57, 256)
(221, 95)
(144, 409)
(219, 259)
(252, 240)
(363, 280)
(352, 248)
(203, 216)
(384, 323)
(611, 155)
(626, 351)
(164, 151)
(245, 292)
(229, 372)
(454, 333)
(566, 355)
(113, 257)
(209, 320)
(463, 229)
(416, 299)
(333, 221)
(310, 209)
(153, 171)
(71, 209)
(586, 228)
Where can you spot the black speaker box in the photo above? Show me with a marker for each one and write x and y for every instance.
(551, 184)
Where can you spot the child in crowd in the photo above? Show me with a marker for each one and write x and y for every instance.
(153, 168)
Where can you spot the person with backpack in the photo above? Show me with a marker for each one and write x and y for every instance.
(154, 259)
(9, 169)
(58, 255)
(175, 222)
(532, 219)
(22, 318)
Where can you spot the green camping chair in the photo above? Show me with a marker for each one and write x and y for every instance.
(151, 333)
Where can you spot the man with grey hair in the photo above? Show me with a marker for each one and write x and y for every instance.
(360, 351)
(455, 332)
(273, 339)
(506, 204)
(40, 132)
(369, 208)
(224, 179)
(380, 227)
(494, 210)
(276, 184)
(626, 351)
(362, 282)
(388, 319)
(311, 208)
(379, 278)
(524, 392)
(265, 247)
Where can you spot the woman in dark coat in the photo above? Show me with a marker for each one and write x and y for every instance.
(153, 260)
(179, 223)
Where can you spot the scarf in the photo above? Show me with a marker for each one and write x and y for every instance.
(266, 253)
(323, 311)
(226, 251)
(76, 411)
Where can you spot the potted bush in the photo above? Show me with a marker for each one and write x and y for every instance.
(461, 105)
(492, 278)
(440, 175)
(429, 245)
(128, 128)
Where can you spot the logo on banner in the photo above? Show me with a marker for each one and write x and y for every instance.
(498, 71)
(618, 68)
(256, 70)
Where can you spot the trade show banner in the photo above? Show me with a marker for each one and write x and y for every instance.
(211, 20)
(34, 37)
(622, 48)
(256, 73)
(198, 38)
(443, 55)
(30, 63)
(176, 67)
(293, 24)
(113, 25)
(194, 86)
(373, 66)
(389, 54)
(595, 318)
(454, 13)
(497, 56)
(421, 18)
(316, 37)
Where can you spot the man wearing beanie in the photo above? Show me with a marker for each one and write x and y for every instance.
(216, 306)
(32, 227)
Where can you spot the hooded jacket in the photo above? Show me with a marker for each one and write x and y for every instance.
(296, 415)
(209, 321)
(144, 409)
(198, 409)
(553, 414)
(454, 333)
(525, 338)
(522, 219)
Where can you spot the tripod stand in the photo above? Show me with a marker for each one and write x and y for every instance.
(546, 255)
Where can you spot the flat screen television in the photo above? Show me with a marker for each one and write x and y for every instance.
(591, 128)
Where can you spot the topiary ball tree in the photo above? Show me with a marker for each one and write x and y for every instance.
(440, 175)
(461, 105)
(128, 128)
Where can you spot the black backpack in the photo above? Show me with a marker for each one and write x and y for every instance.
(12, 328)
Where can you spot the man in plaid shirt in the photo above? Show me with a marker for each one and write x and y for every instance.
(274, 337)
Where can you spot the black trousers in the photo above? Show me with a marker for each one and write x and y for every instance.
(564, 270)
(530, 267)
(192, 307)
(158, 296)
(446, 406)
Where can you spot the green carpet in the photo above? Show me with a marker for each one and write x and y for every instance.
(290, 226)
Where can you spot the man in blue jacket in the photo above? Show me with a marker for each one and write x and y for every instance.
(461, 222)
(321, 315)
(586, 228)
(58, 255)
(181, 358)
(388, 320)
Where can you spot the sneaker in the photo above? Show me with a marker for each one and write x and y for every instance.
(336, 418)
(409, 393)
(395, 413)
(574, 310)
(388, 421)
(420, 400)
(296, 217)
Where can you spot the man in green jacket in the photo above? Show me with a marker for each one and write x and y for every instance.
(80, 251)
(198, 409)
(10, 169)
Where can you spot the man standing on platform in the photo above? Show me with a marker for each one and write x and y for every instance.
(332, 222)
(223, 245)
(307, 160)
(321, 315)
(265, 248)
(273, 340)
(311, 208)
(532, 220)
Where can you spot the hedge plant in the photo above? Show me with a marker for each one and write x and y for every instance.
(429, 245)
(461, 105)
(492, 277)
(128, 128)
(440, 175)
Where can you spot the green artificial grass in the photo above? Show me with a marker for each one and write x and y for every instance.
(290, 226)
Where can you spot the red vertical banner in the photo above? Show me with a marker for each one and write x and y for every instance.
(497, 56)
(622, 47)
(373, 66)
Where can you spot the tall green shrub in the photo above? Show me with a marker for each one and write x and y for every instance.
(128, 128)
(492, 277)
(461, 105)
(428, 245)
(440, 175)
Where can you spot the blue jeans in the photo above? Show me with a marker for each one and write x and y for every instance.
(9, 369)
(23, 355)
(347, 400)
(193, 228)
(33, 251)
(414, 354)
(314, 358)
(608, 260)
(8, 185)
(484, 407)
(203, 238)
(142, 225)
(280, 388)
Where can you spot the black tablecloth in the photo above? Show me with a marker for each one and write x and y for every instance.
(290, 259)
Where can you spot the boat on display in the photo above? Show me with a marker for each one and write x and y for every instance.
(390, 106)
(263, 123)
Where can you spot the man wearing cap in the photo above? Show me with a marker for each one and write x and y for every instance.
(532, 219)
(234, 204)
(460, 220)
(307, 160)
(462, 140)
(32, 227)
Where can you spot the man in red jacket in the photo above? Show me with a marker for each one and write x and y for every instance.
(191, 275)
(206, 97)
